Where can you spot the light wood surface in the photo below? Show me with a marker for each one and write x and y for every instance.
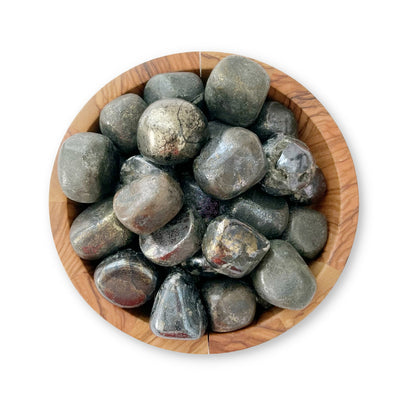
(340, 205)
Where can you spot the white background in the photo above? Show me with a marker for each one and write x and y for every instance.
(355, 354)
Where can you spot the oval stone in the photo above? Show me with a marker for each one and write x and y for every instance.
(311, 193)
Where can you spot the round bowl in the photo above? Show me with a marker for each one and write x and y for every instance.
(340, 205)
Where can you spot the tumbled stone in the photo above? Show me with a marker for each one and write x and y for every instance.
(88, 166)
(178, 311)
(175, 242)
(267, 214)
(236, 90)
(185, 85)
(291, 165)
(283, 278)
(147, 204)
(231, 304)
(311, 193)
(97, 232)
(171, 131)
(119, 119)
(275, 118)
(307, 231)
(125, 279)
(198, 265)
(230, 164)
(232, 247)
(216, 129)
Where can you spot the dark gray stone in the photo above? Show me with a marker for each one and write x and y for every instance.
(231, 304)
(178, 311)
(230, 164)
(96, 232)
(236, 90)
(307, 231)
(171, 131)
(198, 266)
(147, 204)
(88, 167)
(232, 247)
(119, 119)
(216, 129)
(283, 278)
(125, 279)
(311, 193)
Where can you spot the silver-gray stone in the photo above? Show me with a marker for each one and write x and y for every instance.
(198, 266)
(313, 192)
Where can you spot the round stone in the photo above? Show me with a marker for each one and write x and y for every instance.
(307, 231)
(236, 90)
(311, 193)
(88, 165)
(119, 119)
(230, 164)
(125, 279)
(198, 266)
(171, 131)
(147, 204)
(283, 278)
(231, 304)
(96, 232)
(175, 242)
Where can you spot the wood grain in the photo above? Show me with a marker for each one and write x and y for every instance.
(340, 205)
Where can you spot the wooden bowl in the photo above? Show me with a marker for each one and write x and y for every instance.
(340, 205)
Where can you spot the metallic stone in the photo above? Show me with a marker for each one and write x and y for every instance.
(147, 204)
(96, 232)
(311, 193)
(87, 167)
(171, 131)
(291, 165)
(267, 214)
(125, 279)
(236, 90)
(307, 231)
(283, 278)
(175, 242)
(198, 266)
(230, 164)
(119, 119)
(232, 247)
(231, 304)
(178, 311)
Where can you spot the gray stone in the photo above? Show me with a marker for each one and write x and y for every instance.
(178, 311)
(96, 232)
(307, 231)
(291, 165)
(119, 119)
(311, 193)
(175, 242)
(231, 304)
(185, 85)
(125, 279)
(230, 164)
(236, 90)
(171, 131)
(232, 247)
(147, 204)
(88, 166)
(283, 278)
(198, 266)
(267, 214)
(216, 129)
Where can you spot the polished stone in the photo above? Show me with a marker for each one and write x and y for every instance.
(216, 129)
(311, 193)
(198, 265)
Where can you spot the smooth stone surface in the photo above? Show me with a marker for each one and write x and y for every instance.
(283, 278)
(178, 311)
(232, 247)
(231, 304)
(96, 232)
(216, 129)
(198, 266)
(291, 165)
(236, 90)
(88, 165)
(311, 193)
(307, 231)
(171, 131)
(275, 118)
(185, 85)
(147, 204)
(118, 121)
(267, 214)
(175, 242)
(230, 164)
(125, 279)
